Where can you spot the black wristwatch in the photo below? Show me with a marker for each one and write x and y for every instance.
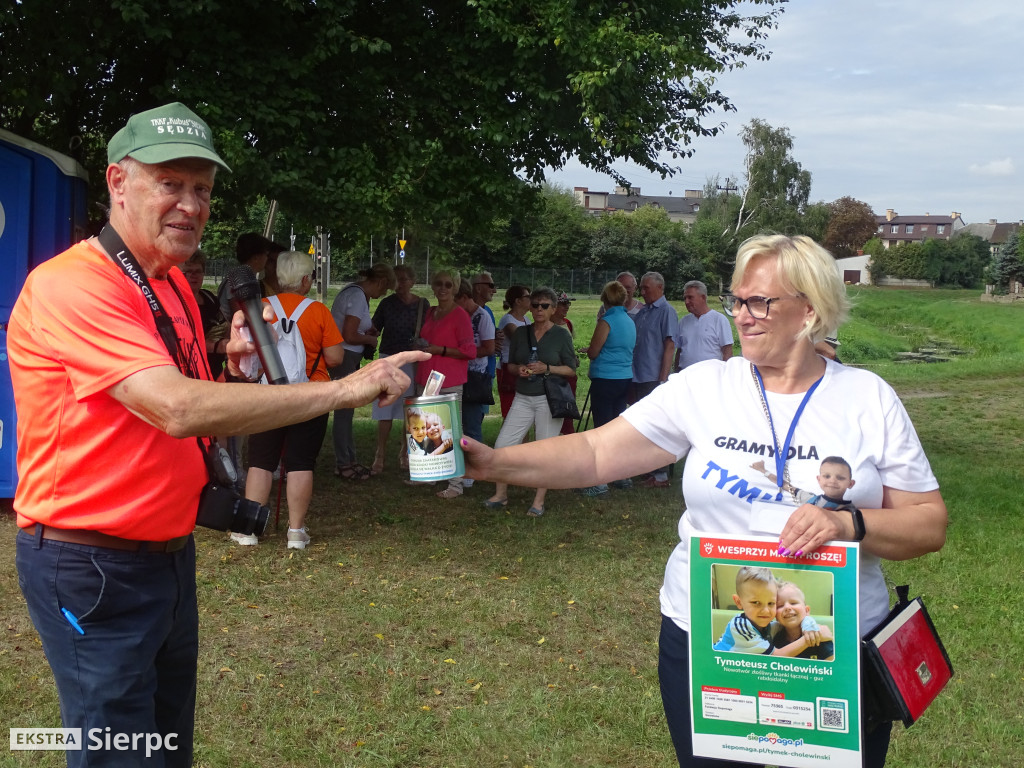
(859, 531)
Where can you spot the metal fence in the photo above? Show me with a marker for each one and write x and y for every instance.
(575, 282)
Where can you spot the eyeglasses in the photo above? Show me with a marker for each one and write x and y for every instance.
(757, 306)
(540, 305)
(444, 285)
(489, 285)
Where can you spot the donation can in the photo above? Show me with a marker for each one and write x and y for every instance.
(433, 434)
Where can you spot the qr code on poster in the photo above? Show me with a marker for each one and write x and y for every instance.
(832, 715)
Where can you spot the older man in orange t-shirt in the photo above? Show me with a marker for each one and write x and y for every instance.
(112, 389)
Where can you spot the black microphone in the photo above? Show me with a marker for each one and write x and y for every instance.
(245, 295)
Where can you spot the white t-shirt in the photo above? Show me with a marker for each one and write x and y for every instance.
(352, 301)
(702, 338)
(483, 330)
(505, 344)
(853, 414)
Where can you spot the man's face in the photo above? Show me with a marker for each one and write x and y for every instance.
(484, 290)
(757, 601)
(834, 480)
(695, 301)
(561, 310)
(650, 290)
(791, 608)
(194, 273)
(162, 208)
(630, 285)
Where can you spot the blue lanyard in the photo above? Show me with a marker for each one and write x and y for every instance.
(783, 452)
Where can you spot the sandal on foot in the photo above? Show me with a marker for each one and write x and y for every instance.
(378, 466)
(535, 511)
(496, 504)
(353, 472)
(449, 493)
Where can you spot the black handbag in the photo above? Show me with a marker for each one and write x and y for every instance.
(478, 389)
(905, 665)
(561, 400)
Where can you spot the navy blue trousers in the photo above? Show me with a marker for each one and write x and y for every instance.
(134, 668)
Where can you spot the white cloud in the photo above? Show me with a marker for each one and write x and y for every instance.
(1002, 167)
(889, 101)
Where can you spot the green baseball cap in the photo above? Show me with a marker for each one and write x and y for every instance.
(170, 132)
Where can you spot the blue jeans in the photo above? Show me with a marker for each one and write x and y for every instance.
(473, 420)
(674, 676)
(134, 668)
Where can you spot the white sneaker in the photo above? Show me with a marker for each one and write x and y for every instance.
(244, 539)
(297, 539)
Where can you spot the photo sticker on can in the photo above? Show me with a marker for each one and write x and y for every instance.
(432, 434)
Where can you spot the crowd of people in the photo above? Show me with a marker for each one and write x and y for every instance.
(634, 348)
(124, 367)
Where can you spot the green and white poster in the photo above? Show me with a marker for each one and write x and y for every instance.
(775, 652)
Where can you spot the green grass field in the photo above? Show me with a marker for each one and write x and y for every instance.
(417, 632)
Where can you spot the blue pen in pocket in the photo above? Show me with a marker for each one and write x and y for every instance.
(72, 620)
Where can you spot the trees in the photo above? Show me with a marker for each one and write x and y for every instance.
(559, 231)
(777, 187)
(1007, 265)
(358, 114)
(851, 224)
(958, 262)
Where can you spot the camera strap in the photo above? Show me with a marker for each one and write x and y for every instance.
(122, 257)
(115, 246)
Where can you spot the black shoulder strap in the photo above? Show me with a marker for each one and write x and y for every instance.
(316, 362)
(114, 245)
(122, 257)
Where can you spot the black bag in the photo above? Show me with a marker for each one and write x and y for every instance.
(561, 400)
(905, 665)
(478, 389)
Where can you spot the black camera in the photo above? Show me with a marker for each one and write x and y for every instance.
(223, 509)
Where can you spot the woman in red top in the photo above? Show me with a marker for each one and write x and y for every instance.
(447, 334)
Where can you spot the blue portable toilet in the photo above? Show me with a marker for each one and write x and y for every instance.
(42, 212)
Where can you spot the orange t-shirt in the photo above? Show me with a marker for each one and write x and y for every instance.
(79, 327)
(318, 331)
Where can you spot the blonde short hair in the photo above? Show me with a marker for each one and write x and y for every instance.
(757, 574)
(454, 274)
(805, 268)
(614, 294)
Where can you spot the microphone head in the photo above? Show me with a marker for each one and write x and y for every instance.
(243, 282)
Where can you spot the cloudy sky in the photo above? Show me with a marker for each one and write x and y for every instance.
(915, 105)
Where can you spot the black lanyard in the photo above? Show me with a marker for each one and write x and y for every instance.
(114, 245)
(122, 257)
